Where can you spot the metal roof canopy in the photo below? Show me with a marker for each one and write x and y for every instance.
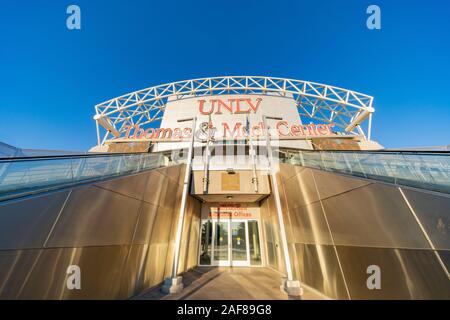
(345, 108)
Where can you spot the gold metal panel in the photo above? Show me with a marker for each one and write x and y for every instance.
(374, 215)
(288, 171)
(190, 238)
(176, 199)
(161, 231)
(145, 223)
(155, 188)
(286, 210)
(155, 264)
(184, 254)
(172, 235)
(192, 255)
(330, 184)
(131, 186)
(161, 191)
(181, 175)
(284, 205)
(172, 193)
(15, 265)
(445, 257)
(94, 217)
(308, 225)
(132, 277)
(169, 260)
(100, 271)
(300, 190)
(270, 235)
(433, 211)
(271, 255)
(405, 274)
(175, 173)
(25, 223)
(318, 268)
(231, 182)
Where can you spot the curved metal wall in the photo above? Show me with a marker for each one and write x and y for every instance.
(338, 225)
(119, 232)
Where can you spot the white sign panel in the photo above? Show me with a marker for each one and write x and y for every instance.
(230, 115)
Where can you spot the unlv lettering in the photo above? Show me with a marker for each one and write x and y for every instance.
(231, 106)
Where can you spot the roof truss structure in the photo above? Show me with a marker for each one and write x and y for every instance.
(345, 108)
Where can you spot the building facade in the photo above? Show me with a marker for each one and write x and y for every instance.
(254, 172)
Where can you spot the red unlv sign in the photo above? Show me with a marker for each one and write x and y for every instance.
(231, 106)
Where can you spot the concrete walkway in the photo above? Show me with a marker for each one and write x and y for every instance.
(238, 283)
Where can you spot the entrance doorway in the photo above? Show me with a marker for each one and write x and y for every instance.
(230, 242)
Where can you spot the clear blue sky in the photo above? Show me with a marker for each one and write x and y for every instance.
(51, 78)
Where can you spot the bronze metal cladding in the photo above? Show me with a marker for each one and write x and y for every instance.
(27, 224)
(327, 187)
(433, 211)
(300, 189)
(95, 217)
(340, 225)
(320, 269)
(15, 266)
(120, 232)
(405, 273)
(374, 216)
(308, 225)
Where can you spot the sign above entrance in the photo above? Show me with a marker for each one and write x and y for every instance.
(233, 211)
(226, 117)
(229, 116)
(231, 106)
(283, 129)
(231, 182)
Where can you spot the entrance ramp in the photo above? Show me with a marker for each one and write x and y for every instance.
(230, 283)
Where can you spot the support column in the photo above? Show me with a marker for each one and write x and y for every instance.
(207, 157)
(175, 283)
(252, 155)
(291, 287)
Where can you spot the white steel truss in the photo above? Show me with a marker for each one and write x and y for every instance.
(345, 108)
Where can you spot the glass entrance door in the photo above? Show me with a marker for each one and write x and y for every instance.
(239, 243)
(230, 243)
(221, 247)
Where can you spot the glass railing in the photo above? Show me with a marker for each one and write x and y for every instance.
(425, 170)
(23, 176)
